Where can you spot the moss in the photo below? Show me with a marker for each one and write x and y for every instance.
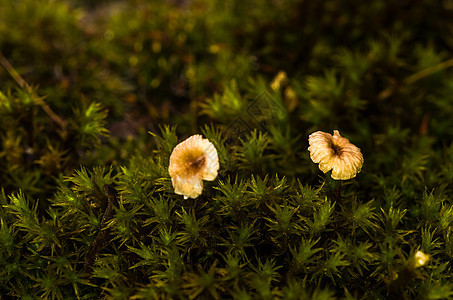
(93, 103)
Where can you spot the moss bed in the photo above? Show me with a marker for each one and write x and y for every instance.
(95, 95)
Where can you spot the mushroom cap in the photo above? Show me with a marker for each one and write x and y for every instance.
(193, 160)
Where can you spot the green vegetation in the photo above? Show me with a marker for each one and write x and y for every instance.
(94, 96)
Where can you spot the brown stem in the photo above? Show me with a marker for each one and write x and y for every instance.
(337, 195)
(102, 237)
(429, 71)
(23, 84)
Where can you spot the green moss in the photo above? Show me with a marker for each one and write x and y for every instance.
(95, 96)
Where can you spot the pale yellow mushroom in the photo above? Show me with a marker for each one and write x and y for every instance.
(335, 153)
(191, 162)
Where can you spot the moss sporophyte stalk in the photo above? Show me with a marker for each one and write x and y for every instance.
(192, 161)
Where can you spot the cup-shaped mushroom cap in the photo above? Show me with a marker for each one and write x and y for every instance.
(335, 153)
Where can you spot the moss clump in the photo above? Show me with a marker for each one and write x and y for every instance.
(93, 103)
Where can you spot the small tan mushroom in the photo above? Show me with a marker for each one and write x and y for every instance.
(421, 259)
(191, 162)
